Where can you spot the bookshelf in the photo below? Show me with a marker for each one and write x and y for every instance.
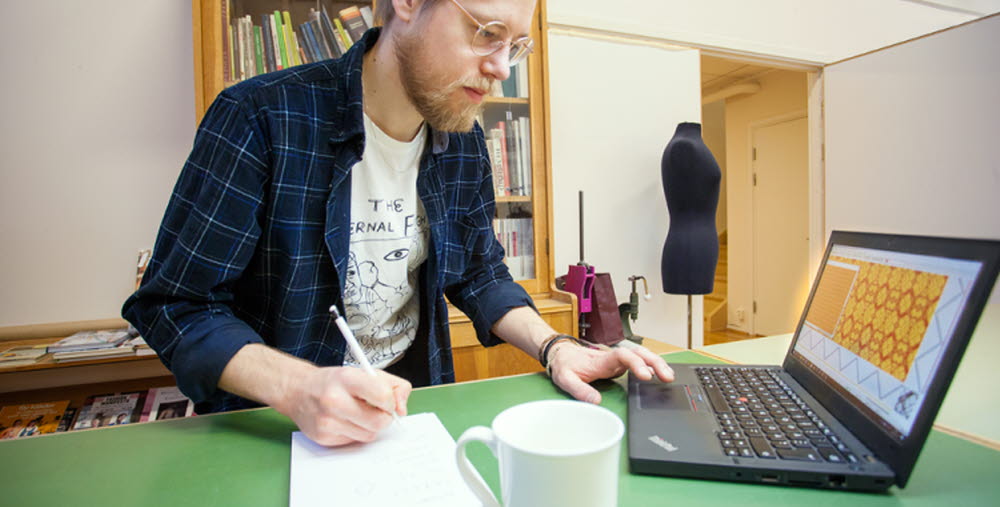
(529, 204)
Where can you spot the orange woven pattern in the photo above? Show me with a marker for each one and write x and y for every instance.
(888, 313)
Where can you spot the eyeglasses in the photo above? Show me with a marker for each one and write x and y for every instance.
(493, 36)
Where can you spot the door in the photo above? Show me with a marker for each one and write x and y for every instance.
(780, 224)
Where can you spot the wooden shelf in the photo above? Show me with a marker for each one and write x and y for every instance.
(506, 100)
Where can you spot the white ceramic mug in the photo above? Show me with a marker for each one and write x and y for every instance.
(551, 453)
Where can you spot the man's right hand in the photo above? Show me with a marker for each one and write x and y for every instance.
(342, 405)
(331, 405)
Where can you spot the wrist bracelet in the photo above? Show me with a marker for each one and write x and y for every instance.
(543, 351)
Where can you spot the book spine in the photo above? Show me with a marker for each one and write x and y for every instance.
(227, 47)
(330, 32)
(506, 157)
(249, 64)
(308, 51)
(366, 14)
(353, 22)
(494, 166)
(496, 157)
(275, 47)
(268, 39)
(279, 30)
(240, 71)
(258, 50)
(344, 36)
(526, 137)
(319, 52)
(290, 45)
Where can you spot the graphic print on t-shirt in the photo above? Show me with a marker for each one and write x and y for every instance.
(387, 247)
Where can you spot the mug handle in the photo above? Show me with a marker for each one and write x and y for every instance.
(468, 471)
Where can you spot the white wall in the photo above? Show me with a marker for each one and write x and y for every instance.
(614, 108)
(98, 116)
(911, 138)
(821, 32)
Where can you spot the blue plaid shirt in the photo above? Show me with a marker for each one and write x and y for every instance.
(254, 243)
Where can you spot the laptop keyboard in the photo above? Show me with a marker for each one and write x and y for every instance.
(761, 417)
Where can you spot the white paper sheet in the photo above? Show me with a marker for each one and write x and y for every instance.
(411, 464)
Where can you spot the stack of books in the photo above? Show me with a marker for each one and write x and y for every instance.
(92, 345)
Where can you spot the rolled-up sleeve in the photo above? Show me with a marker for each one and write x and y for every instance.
(207, 238)
(487, 290)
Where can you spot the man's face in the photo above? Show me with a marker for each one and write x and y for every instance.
(443, 78)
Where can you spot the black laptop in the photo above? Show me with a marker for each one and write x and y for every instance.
(880, 338)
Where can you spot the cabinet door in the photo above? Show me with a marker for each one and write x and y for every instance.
(513, 125)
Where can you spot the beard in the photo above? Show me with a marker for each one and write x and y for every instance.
(431, 95)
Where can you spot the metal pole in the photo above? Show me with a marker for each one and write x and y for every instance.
(689, 321)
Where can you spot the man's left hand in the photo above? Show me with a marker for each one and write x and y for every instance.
(573, 367)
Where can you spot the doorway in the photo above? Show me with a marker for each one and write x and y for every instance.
(743, 103)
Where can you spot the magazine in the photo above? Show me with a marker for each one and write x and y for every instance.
(17, 421)
(18, 356)
(166, 403)
(110, 410)
(90, 340)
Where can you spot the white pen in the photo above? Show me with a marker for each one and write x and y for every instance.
(356, 350)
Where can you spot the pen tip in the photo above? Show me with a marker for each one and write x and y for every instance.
(333, 310)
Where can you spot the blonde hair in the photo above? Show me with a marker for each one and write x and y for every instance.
(385, 12)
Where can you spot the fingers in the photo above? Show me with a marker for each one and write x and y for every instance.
(659, 366)
(570, 382)
(377, 390)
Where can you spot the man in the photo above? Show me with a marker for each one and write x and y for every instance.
(362, 183)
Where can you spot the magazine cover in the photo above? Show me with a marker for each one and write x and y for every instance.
(110, 410)
(17, 421)
(166, 403)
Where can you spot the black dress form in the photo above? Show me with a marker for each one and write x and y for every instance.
(691, 179)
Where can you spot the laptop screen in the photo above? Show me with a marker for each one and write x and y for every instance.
(878, 325)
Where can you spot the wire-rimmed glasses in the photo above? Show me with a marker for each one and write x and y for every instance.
(491, 37)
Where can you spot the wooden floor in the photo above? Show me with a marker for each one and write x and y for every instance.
(727, 336)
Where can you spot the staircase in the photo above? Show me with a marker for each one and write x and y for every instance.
(716, 316)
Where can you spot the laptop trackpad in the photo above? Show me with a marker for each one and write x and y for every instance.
(659, 396)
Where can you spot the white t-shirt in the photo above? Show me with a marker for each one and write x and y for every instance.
(388, 244)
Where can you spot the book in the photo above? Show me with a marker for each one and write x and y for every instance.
(30, 419)
(496, 160)
(110, 410)
(275, 47)
(353, 23)
(84, 355)
(330, 32)
(227, 47)
(166, 403)
(290, 44)
(279, 30)
(19, 356)
(67, 419)
(268, 41)
(344, 36)
(366, 13)
(90, 340)
(141, 265)
(258, 50)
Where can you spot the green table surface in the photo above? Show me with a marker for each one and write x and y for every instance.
(243, 458)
